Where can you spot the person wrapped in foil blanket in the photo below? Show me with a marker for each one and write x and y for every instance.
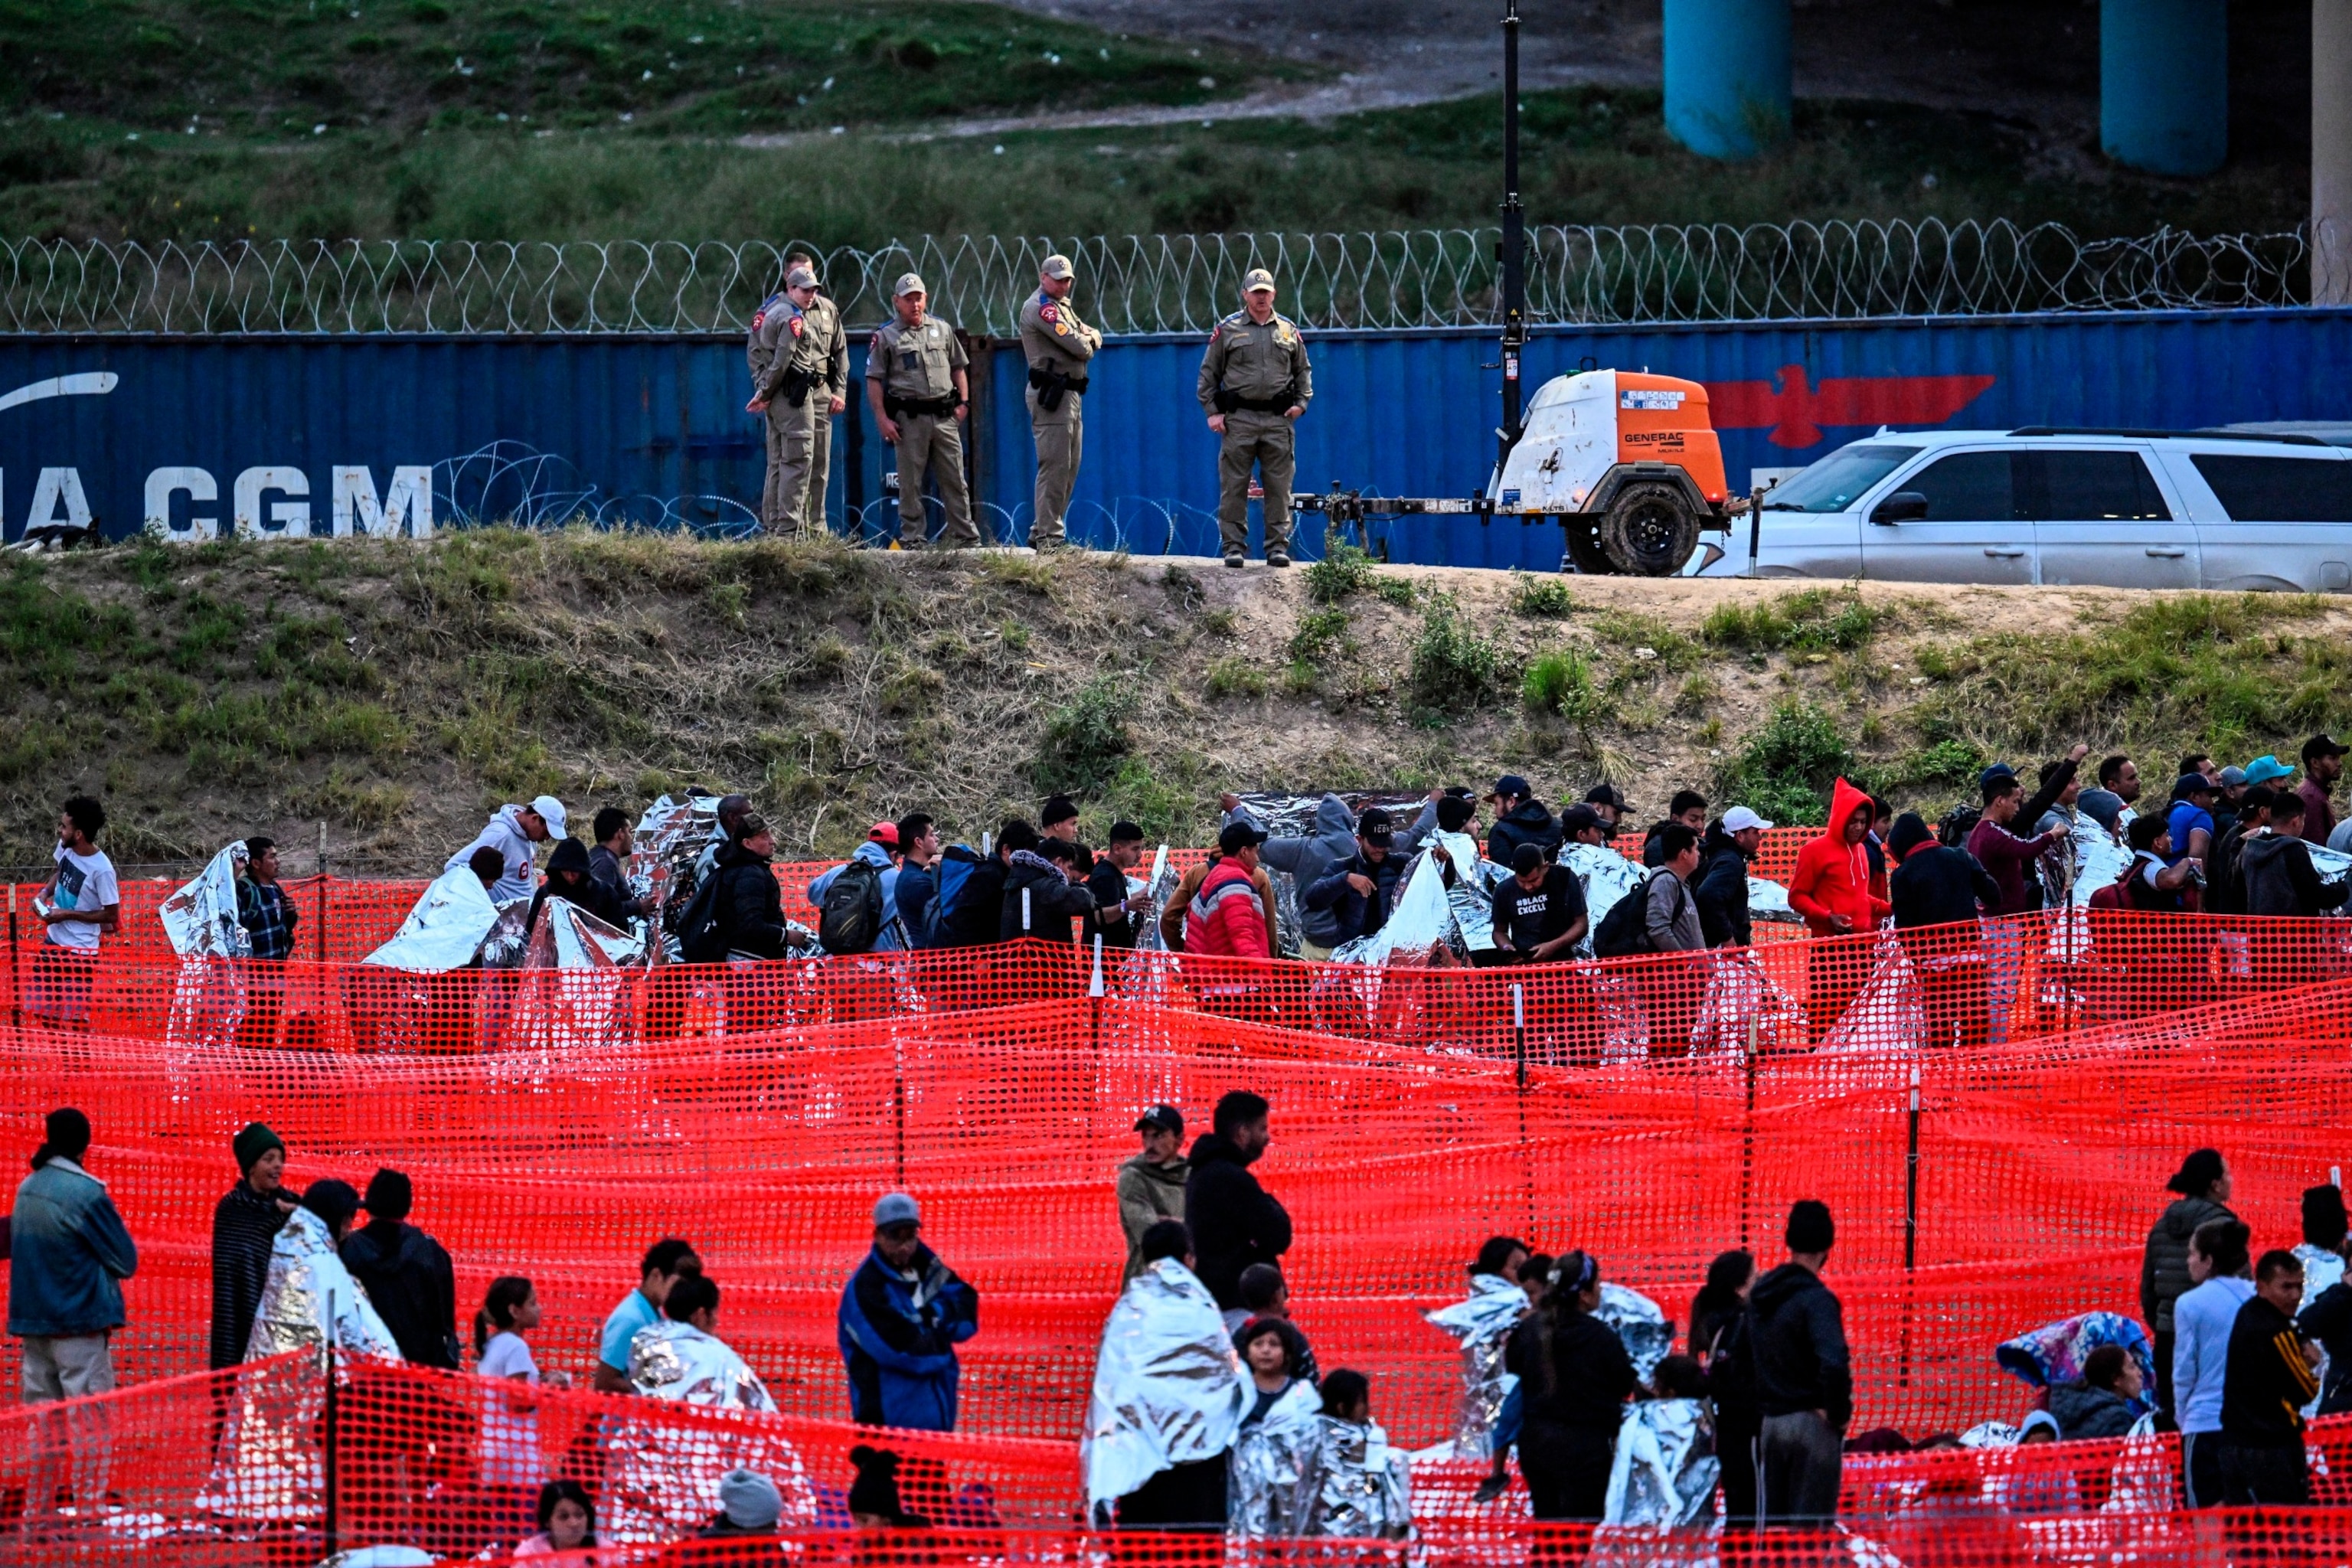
(1307, 1470)
(664, 1471)
(1483, 1325)
(1168, 1389)
(268, 1466)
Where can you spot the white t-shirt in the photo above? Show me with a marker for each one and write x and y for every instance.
(509, 1436)
(84, 882)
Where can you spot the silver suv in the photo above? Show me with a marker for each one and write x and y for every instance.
(2124, 509)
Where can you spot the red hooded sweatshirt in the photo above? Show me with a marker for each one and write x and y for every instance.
(1832, 877)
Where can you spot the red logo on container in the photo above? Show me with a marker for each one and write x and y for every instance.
(1796, 410)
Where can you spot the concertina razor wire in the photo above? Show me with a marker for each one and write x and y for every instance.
(1387, 280)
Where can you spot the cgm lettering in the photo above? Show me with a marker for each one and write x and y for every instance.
(273, 501)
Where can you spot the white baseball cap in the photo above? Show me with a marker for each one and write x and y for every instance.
(1739, 819)
(548, 806)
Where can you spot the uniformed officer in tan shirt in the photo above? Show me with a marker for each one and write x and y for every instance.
(799, 357)
(1059, 345)
(915, 385)
(1254, 381)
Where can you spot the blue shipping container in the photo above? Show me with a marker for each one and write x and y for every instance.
(328, 436)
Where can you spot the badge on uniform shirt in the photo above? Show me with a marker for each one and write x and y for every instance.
(1047, 313)
(1061, 329)
(1282, 335)
(796, 326)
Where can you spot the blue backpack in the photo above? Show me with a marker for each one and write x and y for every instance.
(951, 876)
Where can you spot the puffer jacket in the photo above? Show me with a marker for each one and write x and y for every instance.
(750, 904)
(1530, 822)
(1832, 877)
(2164, 1268)
(2082, 1411)
(1308, 860)
(1225, 918)
(1053, 899)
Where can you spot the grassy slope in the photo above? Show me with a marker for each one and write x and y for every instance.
(410, 147)
(398, 691)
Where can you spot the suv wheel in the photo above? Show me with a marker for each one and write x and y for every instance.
(1649, 531)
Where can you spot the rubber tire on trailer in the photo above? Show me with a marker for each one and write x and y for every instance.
(1649, 529)
(1584, 552)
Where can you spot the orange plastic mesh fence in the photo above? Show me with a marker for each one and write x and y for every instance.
(357, 916)
(2040, 1164)
(282, 1462)
(2038, 974)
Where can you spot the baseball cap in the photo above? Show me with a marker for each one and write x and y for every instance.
(2324, 746)
(1255, 279)
(1376, 826)
(1998, 771)
(884, 833)
(1057, 266)
(1609, 795)
(909, 283)
(1525, 858)
(2232, 777)
(1510, 784)
(2265, 768)
(1238, 836)
(1577, 818)
(2188, 785)
(548, 806)
(1161, 1119)
(1739, 819)
(897, 1208)
(800, 278)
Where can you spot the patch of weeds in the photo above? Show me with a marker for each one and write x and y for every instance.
(1164, 798)
(911, 688)
(1033, 574)
(1085, 740)
(1811, 620)
(1299, 678)
(1344, 570)
(1785, 769)
(1452, 666)
(1220, 623)
(1397, 591)
(1949, 761)
(1012, 633)
(1540, 598)
(1697, 691)
(1235, 678)
(1560, 683)
(1669, 650)
(1320, 632)
(731, 602)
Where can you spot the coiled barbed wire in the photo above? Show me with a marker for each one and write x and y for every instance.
(1391, 279)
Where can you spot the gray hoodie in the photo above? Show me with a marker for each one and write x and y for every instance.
(1309, 859)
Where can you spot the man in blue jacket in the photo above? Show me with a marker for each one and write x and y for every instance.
(902, 1315)
(68, 1255)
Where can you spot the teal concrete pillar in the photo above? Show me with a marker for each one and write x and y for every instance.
(2164, 84)
(1727, 75)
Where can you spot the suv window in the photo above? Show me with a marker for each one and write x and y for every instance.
(2075, 487)
(1832, 484)
(1966, 487)
(2279, 489)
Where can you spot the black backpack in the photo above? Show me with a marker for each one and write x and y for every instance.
(702, 926)
(851, 919)
(1625, 929)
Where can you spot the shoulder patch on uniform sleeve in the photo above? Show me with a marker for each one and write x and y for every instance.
(1047, 313)
(796, 326)
(759, 318)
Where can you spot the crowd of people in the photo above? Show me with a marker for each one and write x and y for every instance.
(1208, 1384)
(2229, 840)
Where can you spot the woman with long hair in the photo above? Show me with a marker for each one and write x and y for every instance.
(1574, 1379)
